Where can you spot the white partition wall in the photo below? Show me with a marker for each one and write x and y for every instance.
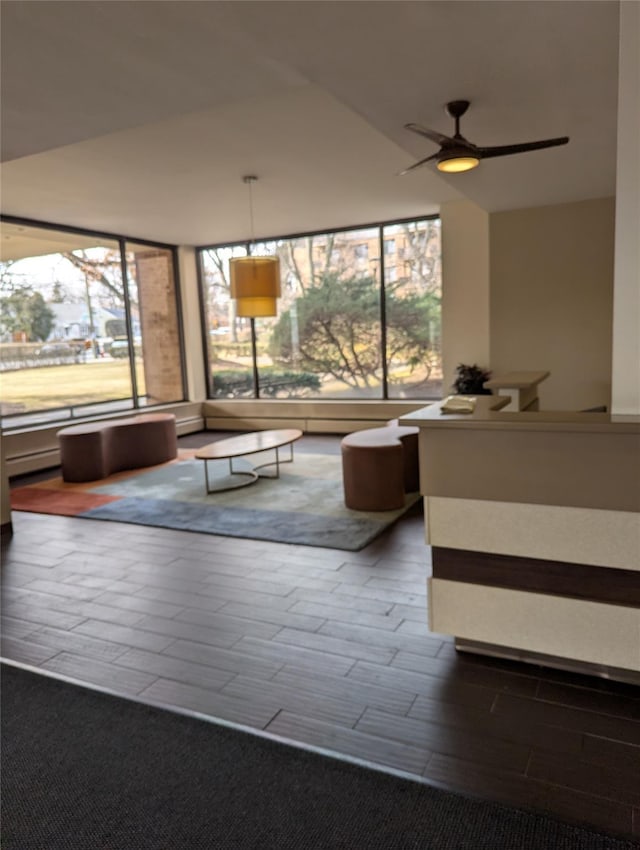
(625, 396)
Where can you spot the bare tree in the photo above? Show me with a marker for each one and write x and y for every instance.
(107, 271)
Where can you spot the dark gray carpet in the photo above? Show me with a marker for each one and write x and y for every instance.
(86, 771)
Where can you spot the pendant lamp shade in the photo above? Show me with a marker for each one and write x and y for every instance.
(255, 285)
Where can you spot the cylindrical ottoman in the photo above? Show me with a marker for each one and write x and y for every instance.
(145, 440)
(82, 454)
(373, 470)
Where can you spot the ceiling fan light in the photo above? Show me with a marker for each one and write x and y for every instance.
(455, 164)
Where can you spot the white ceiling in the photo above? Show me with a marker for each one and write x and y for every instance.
(141, 117)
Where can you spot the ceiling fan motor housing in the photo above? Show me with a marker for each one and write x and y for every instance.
(456, 108)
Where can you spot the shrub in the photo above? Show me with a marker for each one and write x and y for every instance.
(237, 383)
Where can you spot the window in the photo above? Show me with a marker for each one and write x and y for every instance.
(327, 340)
(389, 246)
(413, 296)
(74, 331)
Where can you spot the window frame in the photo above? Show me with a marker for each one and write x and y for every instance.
(247, 243)
(56, 415)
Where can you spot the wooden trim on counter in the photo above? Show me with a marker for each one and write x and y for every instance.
(557, 578)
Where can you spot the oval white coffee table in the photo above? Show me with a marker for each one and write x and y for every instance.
(247, 444)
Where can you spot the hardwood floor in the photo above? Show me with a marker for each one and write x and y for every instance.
(321, 646)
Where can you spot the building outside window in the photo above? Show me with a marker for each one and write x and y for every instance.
(88, 324)
(327, 340)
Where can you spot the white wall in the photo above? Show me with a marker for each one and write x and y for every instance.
(625, 395)
(465, 290)
(551, 299)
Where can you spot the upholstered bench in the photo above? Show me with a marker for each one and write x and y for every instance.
(95, 450)
(380, 465)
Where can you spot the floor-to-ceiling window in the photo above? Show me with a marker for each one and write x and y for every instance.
(359, 316)
(413, 296)
(88, 324)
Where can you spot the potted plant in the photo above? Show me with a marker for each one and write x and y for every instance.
(470, 380)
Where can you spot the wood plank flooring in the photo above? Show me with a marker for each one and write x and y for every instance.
(321, 646)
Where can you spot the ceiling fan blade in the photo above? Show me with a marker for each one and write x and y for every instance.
(506, 150)
(419, 163)
(434, 136)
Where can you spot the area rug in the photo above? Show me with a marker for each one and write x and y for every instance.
(304, 506)
(84, 770)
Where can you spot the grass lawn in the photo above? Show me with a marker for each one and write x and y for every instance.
(108, 379)
(69, 384)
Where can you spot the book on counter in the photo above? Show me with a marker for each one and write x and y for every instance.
(458, 404)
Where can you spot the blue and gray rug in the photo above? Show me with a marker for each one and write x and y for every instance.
(304, 506)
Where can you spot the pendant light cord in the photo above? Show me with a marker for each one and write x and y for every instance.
(249, 179)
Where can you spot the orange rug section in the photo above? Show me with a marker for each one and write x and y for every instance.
(43, 500)
(55, 496)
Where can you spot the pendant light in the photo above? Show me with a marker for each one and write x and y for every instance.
(255, 287)
(255, 280)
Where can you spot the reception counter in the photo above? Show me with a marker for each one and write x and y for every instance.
(534, 523)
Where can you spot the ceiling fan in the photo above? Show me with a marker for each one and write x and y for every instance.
(457, 154)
